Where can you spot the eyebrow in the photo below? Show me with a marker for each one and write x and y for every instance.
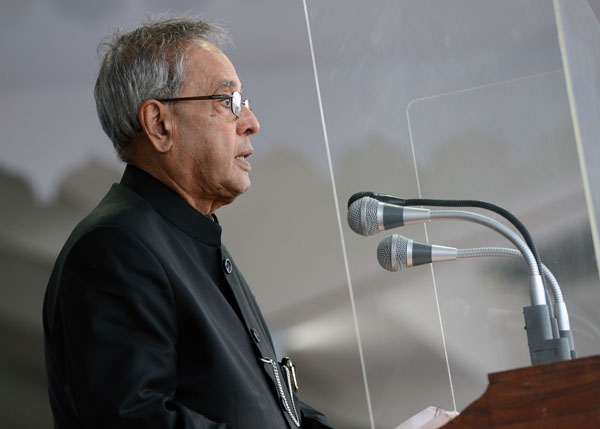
(229, 84)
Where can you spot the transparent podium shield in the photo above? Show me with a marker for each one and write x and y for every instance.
(453, 100)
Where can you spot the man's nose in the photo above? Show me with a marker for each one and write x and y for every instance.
(248, 123)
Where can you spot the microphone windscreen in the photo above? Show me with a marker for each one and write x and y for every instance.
(384, 253)
(362, 216)
(392, 252)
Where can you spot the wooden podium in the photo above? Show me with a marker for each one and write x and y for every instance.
(556, 395)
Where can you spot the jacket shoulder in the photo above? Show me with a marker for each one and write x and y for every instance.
(121, 208)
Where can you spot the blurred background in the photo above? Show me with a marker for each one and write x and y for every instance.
(469, 99)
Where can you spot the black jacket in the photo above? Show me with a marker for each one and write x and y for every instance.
(149, 324)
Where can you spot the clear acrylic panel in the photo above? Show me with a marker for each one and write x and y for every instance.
(579, 33)
(458, 100)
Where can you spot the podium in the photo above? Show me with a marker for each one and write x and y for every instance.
(562, 394)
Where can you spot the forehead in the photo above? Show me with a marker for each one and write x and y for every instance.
(208, 69)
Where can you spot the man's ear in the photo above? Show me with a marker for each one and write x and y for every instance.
(157, 124)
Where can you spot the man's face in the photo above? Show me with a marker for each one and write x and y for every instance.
(210, 142)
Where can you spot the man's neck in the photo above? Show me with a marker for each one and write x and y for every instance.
(205, 206)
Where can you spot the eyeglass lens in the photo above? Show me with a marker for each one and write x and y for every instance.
(236, 103)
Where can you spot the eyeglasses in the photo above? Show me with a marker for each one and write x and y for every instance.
(235, 101)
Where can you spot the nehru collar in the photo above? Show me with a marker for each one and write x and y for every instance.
(172, 206)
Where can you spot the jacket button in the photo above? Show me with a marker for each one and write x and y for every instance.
(228, 266)
(255, 335)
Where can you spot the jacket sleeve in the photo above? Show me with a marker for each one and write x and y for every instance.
(120, 329)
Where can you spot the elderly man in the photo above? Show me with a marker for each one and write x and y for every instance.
(148, 322)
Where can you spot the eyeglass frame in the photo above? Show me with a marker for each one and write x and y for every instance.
(231, 97)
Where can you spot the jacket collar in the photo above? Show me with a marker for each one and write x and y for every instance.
(170, 205)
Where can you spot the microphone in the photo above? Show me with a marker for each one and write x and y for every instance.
(396, 252)
(367, 216)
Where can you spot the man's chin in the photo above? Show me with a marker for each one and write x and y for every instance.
(245, 187)
(239, 191)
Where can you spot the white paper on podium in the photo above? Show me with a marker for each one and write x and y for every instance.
(430, 418)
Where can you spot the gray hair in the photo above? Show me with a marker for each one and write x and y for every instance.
(142, 64)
